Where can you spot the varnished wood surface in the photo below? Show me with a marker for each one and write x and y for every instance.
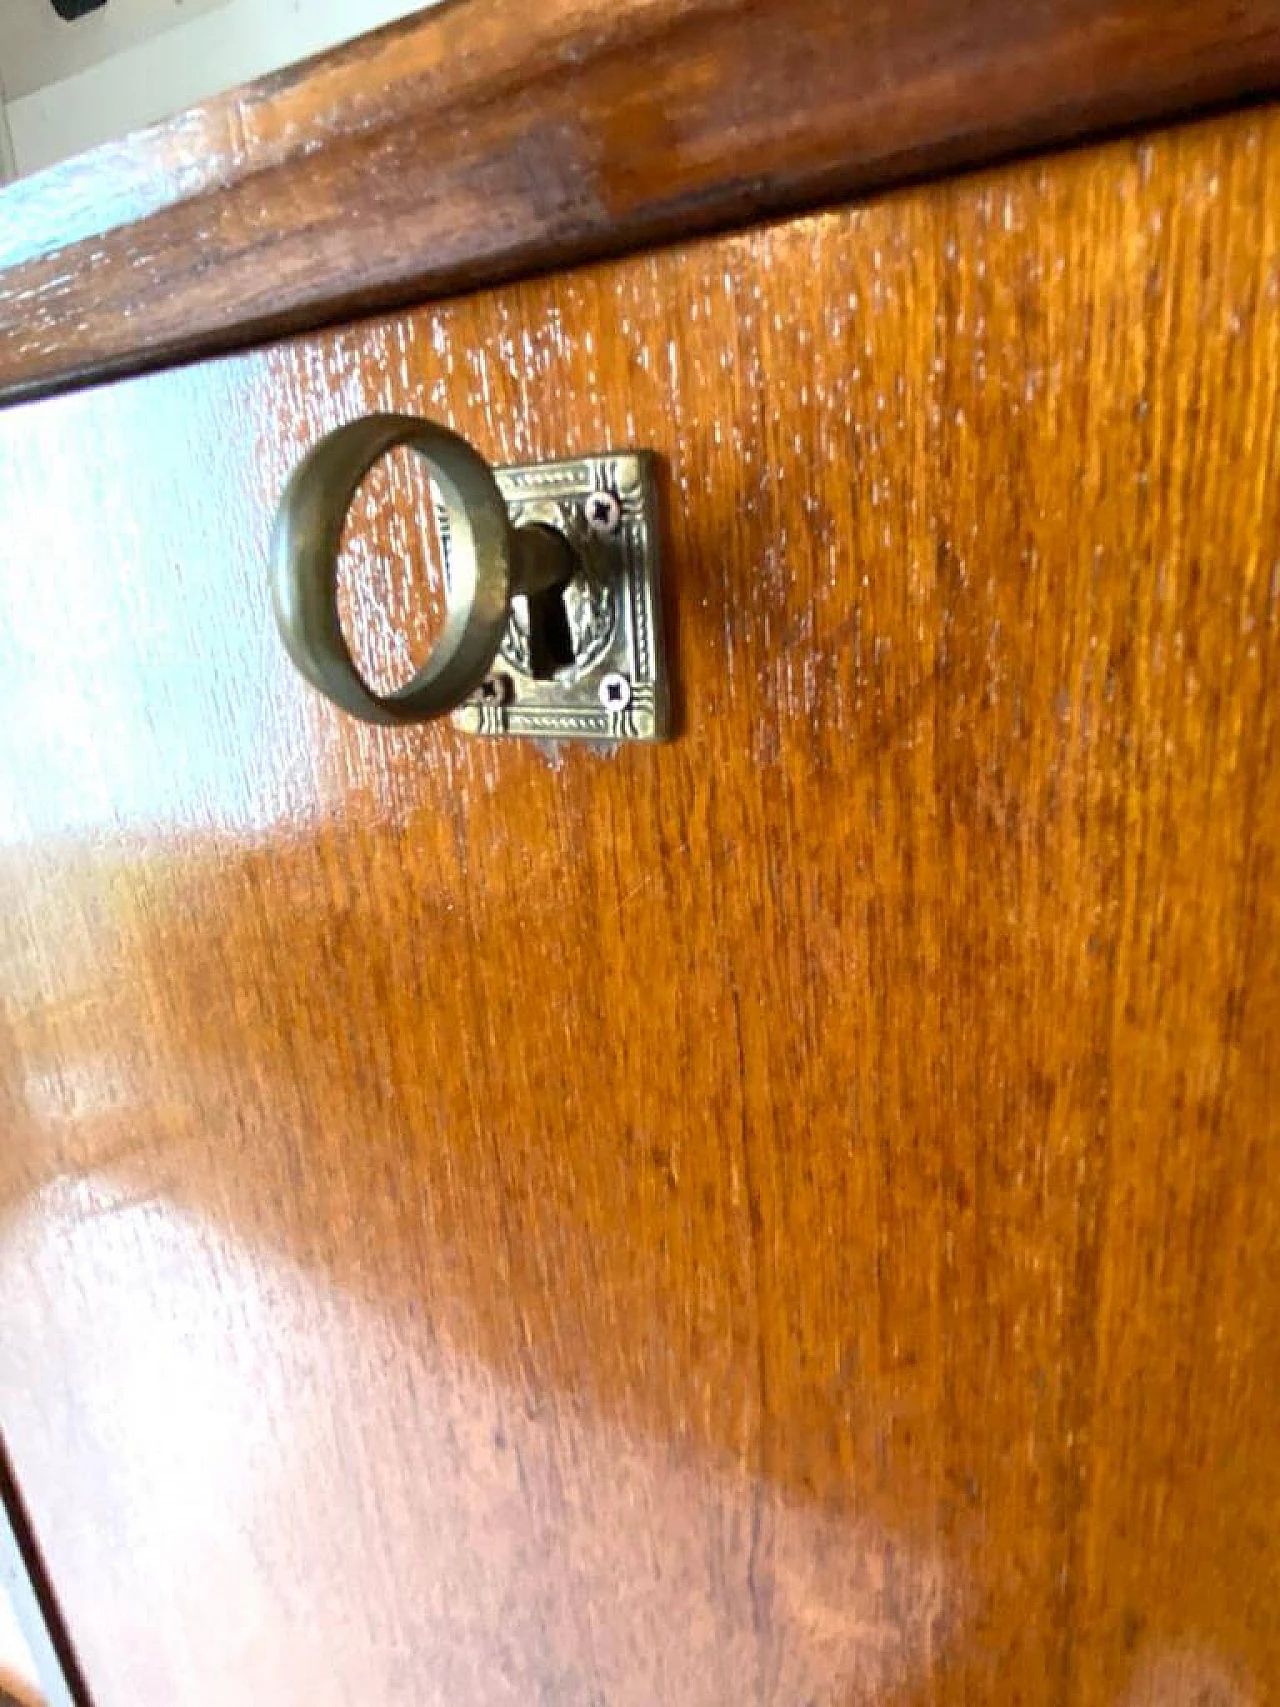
(493, 138)
(785, 1217)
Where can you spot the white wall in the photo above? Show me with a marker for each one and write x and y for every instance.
(65, 87)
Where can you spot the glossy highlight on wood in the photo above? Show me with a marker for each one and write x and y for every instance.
(487, 139)
(785, 1217)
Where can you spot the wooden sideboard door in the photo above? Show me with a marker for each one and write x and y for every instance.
(783, 1217)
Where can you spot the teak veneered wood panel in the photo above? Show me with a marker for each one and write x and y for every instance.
(486, 139)
(785, 1217)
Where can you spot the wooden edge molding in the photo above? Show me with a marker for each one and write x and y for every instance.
(25, 1587)
(489, 138)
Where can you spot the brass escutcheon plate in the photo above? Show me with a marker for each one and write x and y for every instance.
(615, 687)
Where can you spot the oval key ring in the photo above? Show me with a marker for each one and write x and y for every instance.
(488, 562)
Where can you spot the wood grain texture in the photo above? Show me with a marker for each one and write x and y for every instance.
(785, 1217)
(491, 139)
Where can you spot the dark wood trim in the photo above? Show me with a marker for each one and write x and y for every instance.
(490, 138)
(24, 1580)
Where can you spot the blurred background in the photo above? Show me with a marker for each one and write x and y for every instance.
(68, 84)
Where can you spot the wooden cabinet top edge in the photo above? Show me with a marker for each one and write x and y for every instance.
(484, 139)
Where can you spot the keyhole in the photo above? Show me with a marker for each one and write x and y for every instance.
(551, 646)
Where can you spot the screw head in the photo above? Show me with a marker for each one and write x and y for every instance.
(604, 514)
(615, 691)
(495, 690)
